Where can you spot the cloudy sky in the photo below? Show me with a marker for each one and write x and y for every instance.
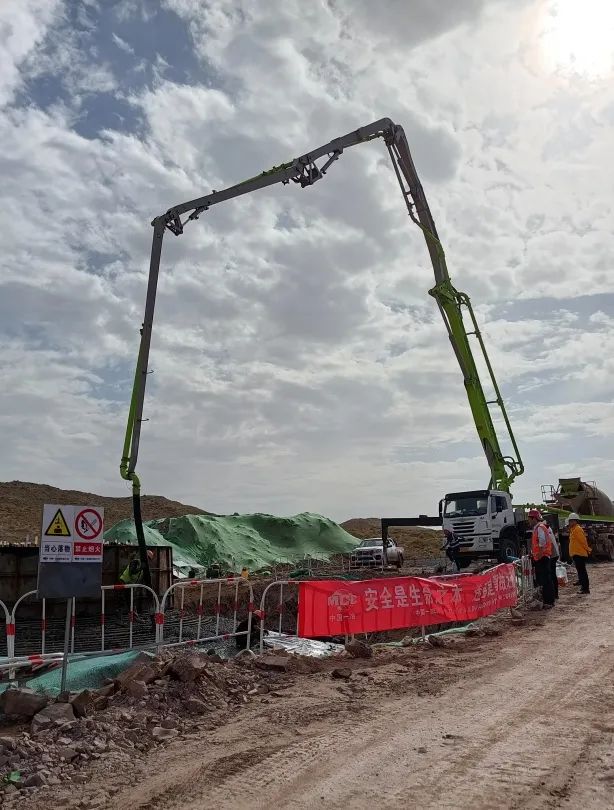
(299, 363)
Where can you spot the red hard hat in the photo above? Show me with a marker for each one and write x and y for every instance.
(535, 513)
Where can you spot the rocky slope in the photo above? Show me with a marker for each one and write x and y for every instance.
(21, 506)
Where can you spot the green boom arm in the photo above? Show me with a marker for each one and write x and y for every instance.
(307, 170)
(503, 469)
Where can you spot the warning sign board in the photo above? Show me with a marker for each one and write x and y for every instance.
(89, 523)
(85, 551)
(55, 551)
(71, 540)
(57, 533)
(58, 527)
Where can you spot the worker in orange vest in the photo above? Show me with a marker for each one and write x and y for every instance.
(541, 552)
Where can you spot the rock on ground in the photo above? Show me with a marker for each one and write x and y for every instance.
(56, 714)
(22, 702)
(196, 706)
(187, 668)
(83, 702)
(136, 689)
(342, 673)
(160, 733)
(358, 649)
(278, 662)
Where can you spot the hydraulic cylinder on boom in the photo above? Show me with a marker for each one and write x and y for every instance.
(305, 171)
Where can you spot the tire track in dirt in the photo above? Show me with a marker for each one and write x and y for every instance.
(490, 742)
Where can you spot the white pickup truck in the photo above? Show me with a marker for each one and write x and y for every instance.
(370, 552)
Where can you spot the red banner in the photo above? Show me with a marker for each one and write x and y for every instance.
(335, 607)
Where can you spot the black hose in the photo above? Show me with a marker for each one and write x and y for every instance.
(140, 536)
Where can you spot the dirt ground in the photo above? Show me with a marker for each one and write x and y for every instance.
(521, 717)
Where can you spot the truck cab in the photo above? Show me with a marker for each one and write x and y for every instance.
(485, 522)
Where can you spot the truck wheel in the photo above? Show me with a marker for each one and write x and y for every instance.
(464, 562)
(508, 547)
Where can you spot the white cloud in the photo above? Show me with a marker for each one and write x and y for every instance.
(23, 24)
(123, 45)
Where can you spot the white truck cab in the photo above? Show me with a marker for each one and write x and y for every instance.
(485, 522)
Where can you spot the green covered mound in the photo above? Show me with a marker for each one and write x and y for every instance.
(255, 541)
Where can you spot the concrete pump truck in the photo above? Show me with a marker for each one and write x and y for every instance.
(485, 520)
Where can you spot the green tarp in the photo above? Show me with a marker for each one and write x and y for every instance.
(255, 541)
(83, 673)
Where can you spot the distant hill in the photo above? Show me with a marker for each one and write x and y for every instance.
(21, 506)
(417, 542)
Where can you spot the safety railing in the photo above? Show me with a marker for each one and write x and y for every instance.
(90, 632)
(143, 617)
(343, 564)
(276, 616)
(209, 610)
(33, 635)
(525, 580)
(279, 612)
(189, 612)
(309, 565)
(9, 629)
(203, 614)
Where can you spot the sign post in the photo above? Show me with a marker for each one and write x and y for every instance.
(67, 627)
(70, 559)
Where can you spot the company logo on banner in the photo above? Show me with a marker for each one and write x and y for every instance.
(331, 607)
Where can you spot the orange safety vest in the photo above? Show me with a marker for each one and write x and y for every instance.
(537, 551)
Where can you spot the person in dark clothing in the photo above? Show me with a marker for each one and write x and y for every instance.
(543, 575)
(451, 544)
(244, 642)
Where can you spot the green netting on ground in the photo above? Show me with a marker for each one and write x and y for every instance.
(83, 673)
(124, 532)
(256, 541)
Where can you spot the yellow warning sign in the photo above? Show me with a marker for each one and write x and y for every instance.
(58, 526)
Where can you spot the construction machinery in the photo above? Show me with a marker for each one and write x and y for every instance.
(593, 507)
(489, 525)
(486, 521)
(305, 171)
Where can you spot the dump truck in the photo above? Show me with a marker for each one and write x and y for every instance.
(595, 509)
